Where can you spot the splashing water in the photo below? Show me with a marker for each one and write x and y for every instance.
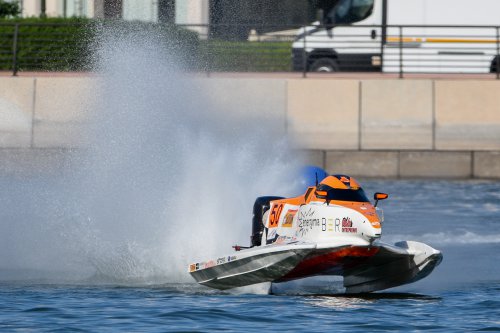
(166, 178)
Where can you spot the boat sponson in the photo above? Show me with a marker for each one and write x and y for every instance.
(263, 267)
(390, 268)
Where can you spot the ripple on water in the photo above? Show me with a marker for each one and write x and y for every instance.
(42, 309)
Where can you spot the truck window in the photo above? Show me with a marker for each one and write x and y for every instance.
(349, 11)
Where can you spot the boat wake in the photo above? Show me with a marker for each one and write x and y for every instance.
(455, 238)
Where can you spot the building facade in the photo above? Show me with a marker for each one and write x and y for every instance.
(229, 18)
(58, 8)
(166, 11)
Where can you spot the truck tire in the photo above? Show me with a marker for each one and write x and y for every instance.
(260, 207)
(493, 67)
(324, 65)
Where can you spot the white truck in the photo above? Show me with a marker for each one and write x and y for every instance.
(410, 36)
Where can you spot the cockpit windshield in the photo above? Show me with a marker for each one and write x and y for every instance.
(356, 195)
(349, 11)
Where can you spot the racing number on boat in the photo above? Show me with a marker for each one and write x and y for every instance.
(274, 217)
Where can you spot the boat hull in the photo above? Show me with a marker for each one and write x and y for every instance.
(249, 266)
(392, 266)
(365, 268)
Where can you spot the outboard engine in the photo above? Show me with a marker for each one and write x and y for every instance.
(260, 206)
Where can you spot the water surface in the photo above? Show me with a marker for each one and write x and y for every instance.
(461, 218)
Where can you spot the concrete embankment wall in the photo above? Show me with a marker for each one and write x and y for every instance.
(366, 127)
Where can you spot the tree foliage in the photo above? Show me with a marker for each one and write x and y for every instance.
(9, 9)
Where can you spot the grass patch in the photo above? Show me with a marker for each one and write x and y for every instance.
(247, 56)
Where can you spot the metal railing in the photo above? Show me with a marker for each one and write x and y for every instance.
(43, 47)
(250, 48)
(402, 49)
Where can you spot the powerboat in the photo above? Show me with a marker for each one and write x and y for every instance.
(331, 230)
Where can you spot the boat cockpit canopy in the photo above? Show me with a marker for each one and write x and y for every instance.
(352, 194)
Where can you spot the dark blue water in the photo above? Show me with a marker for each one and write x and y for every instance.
(461, 218)
(175, 308)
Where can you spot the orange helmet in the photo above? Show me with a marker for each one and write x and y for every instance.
(342, 182)
(341, 188)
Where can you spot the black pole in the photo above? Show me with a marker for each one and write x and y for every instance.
(304, 54)
(400, 52)
(383, 42)
(14, 50)
(65, 8)
(498, 55)
(43, 9)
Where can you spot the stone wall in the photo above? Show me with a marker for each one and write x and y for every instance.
(372, 128)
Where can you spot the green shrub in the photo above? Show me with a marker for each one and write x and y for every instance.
(247, 56)
(177, 41)
(58, 44)
(54, 44)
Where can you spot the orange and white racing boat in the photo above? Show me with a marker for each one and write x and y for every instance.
(332, 229)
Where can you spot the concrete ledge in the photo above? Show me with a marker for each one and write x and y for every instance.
(370, 128)
(29, 161)
(435, 164)
(251, 101)
(363, 163)
(323, 114)
(396, 114)
(62, 105)
(467, 115)
(16, 111)
(487, 164)
(312, 157)
(371, 164)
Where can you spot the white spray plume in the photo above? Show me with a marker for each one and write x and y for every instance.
(166, 179)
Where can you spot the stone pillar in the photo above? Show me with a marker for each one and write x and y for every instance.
(140, 10)
(99, 9)
(113, 9)
(166, 11)
(30, 8)
(195, 12)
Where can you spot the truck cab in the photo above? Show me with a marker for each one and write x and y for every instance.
(346, 39)
(411, 36)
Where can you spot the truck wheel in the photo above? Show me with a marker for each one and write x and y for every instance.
(493, 67)
(324, 65)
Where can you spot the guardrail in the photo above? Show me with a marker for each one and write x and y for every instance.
(250, 48)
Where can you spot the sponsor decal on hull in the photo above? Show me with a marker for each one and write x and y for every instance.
(285, 239)
(221, 260)
(211, 263)
(347, 225)
(307, 222)
(273, 233)
(288, 220)
(275, 214)
(330, 224)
